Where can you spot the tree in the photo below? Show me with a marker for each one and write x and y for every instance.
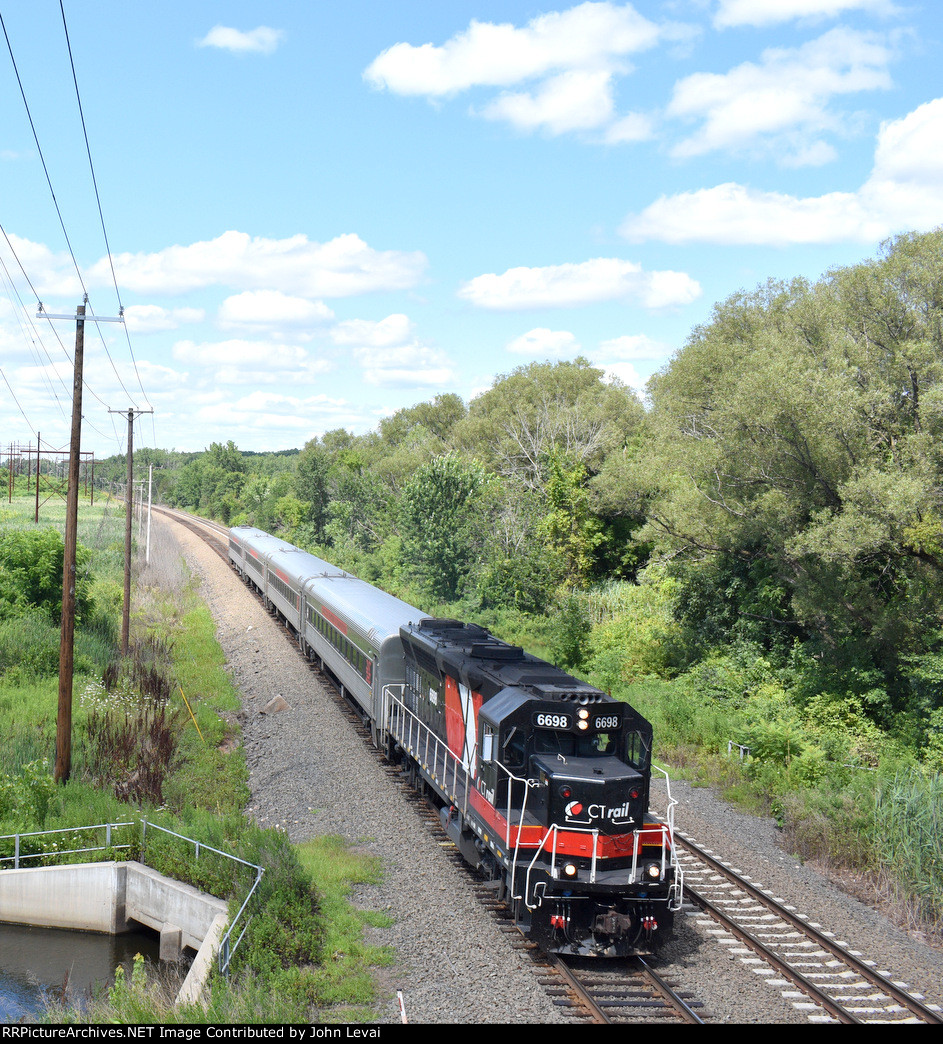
(440, 516)
(796, 438)
(545, 407)
(569, 525)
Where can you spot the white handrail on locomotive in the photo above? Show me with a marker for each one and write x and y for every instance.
(414, 736)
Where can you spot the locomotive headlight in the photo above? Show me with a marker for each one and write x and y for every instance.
(570, 869)
(583, 713)
(582, 724)
(653, 871)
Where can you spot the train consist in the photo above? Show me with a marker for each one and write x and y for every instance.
(542, 781)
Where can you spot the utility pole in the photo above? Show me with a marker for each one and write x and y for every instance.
(129, 507)
(150, 493)
(63, 766)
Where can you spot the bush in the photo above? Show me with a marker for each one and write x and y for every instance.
(25, 794)
(570, 639)
(31, 564)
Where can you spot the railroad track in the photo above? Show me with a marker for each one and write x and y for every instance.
(618, 993)
(820, 975)
(214, 534)
(828, 982)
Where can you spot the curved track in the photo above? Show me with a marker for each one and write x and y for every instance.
(829, 982)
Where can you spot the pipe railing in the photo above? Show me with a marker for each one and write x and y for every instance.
(226, 947)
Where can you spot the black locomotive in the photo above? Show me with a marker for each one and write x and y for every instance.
(542, 780)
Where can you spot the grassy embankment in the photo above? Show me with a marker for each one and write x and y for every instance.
(137, 750)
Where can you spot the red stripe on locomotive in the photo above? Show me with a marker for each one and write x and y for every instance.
(459, 732)
(331, 618)
(568, 842)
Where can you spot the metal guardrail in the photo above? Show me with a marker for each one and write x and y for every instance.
(46, 854)
(226, 948)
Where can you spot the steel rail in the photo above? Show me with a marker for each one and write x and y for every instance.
(673, 998)
(869, 974)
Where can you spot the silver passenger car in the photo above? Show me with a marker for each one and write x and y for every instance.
(344, 624)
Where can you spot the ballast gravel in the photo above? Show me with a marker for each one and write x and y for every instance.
(312, 774)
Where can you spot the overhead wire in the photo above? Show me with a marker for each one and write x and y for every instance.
(33, 339)
(29, 423)
(65, 350)
(101, 215)
(65, 233)
(52, 192)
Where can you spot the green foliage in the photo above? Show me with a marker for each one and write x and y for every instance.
(908, 810)
(571, 631)
(25, 794)
(568, 406)
(31, 567)
(638, 636)
(441, 525)
(29, 648)
(795, 461)
(569, 526)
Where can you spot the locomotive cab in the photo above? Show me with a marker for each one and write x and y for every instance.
(565, 762)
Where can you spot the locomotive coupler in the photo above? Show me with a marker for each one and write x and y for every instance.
(613, 924)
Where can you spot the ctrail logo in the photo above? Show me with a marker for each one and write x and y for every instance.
(574, 811)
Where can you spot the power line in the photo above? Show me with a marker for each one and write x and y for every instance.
(101, 215)
(42, 158)
(59, 211)
(29, 423)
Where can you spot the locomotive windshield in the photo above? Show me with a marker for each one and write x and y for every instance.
(576, 745)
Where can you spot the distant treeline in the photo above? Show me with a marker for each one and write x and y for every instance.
(781, 491)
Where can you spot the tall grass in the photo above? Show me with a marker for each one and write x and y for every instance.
(908, 832)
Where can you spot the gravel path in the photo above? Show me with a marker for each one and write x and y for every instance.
(312, 774)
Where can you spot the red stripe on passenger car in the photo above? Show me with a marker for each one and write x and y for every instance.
(336, 620)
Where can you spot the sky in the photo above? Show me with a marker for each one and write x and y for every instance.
(311, 215)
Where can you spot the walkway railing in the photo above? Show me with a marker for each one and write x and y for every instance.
(55, 851)
(52, 852)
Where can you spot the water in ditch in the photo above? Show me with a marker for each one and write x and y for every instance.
(41, 963)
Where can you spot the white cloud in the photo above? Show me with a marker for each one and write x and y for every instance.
(634, 126)
(341, 267)
(270, 310)
(589, 36)
(733, 213)
(49, 272)
(623, 372)
(544, 343)
(262, 40)
(633, 347)
(251, 362)
(570, 58)
(780, 103)
(365, 333)
(573, 285)
(274, 411)
(405, 366)
(904, 192)
(163, 379)
(576, 100)
(145, 319)
(389, 354)
(769, 12)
